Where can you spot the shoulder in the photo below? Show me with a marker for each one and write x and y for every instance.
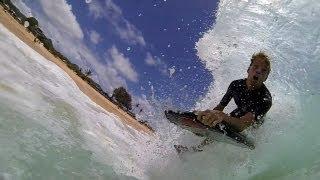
(266, 94)
(238, 83)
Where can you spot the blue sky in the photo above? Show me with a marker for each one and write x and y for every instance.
(145, 45)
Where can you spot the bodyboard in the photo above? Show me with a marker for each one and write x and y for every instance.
(222, 132)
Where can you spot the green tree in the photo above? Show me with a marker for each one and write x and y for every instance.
(88, 72)
(47, 43)
(122, 97)
(33, 22)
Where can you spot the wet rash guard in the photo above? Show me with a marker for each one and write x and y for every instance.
(257, 101)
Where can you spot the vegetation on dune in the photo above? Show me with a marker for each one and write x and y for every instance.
(32, 21)
(122, 97)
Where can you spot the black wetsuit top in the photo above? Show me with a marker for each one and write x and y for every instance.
(257, 101)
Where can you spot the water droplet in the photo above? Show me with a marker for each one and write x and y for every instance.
(88, 1)
(128, 48)
(169, 45)
(171, 71)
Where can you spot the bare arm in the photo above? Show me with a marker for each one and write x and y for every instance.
(219, 107)
(211, 118)
(240, 123)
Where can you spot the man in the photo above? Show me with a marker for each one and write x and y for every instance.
(251, 96)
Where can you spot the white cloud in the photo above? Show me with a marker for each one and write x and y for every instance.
(59, 23)
(69, 41)
(109, 77)
(122, 64)
(150, 60)
(157, 62)
(60, 15)
(22, 7)
(95, 37)
(96, 9)
(113, 14)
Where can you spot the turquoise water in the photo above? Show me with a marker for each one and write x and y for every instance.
(50, 130)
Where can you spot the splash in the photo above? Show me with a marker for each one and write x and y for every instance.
(287, 144)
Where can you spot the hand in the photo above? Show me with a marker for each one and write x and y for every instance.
(210, 117)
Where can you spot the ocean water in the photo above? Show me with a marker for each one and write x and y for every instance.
(50, 130)
(287, 145)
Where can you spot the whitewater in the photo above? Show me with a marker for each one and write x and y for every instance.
(50, 130)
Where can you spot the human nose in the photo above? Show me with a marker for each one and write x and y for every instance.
(259, 71)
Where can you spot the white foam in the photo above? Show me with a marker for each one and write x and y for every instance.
(36, 87)
(289, 32)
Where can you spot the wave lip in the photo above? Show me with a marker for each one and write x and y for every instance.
(286, 30)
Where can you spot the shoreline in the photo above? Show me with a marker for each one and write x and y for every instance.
(19, 31)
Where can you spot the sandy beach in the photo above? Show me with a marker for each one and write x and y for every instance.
(21, 32)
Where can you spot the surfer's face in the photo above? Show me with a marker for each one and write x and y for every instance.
(258, 72)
